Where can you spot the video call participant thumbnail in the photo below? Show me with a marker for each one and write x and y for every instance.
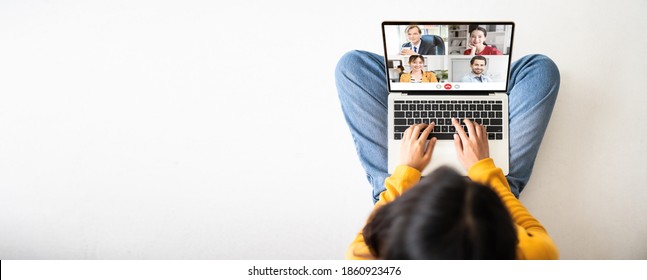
(478, 65)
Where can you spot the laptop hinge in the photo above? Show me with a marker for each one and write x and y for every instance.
(441, 93)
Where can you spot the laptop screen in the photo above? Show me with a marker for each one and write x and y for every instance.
(447, 56)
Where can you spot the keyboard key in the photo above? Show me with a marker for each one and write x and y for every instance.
(398, 114)
(400, 122)
(499, 115)
(486, 121)
(409, 101)
(417, 121)
(496, 122)
(405, 107)
(499, 136)
(397, 136)
(409, 121)
(427, 107)
(398, 101)
(420, 107)
(490, 136)
(494, 128)
(423, 114)
(416, 114)
(397, 107)
(444, 128)
(441, 136)
(497, 107)
(400, 128)
(409, 114)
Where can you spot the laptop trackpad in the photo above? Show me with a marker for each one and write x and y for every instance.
(444, 154)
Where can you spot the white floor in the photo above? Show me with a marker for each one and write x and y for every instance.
(198, 130)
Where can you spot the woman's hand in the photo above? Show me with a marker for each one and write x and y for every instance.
(473, 48)
(412, 149)
(472, 148)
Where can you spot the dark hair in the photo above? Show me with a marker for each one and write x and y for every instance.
(413, 57)
(482, 30)
(445, 216)
(479, 57)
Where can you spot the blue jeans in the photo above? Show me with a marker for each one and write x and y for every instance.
(361, 84)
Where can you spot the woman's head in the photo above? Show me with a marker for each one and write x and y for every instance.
(416, 62)
(445, 216)
(478, 36)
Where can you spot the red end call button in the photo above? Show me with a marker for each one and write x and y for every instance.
(448, 86)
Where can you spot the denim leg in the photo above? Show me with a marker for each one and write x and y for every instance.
(534, 84)
(361, 85)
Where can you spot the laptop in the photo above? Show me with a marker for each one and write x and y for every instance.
(466, 85)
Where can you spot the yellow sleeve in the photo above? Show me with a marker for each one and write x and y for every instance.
(400, 181)
(430, 77)
(534, 242)
(405, 78)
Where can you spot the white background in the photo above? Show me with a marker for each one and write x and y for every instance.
(212, 130)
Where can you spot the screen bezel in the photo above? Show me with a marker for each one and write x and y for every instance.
(444, 91)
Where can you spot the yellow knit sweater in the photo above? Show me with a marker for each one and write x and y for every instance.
(534, 242)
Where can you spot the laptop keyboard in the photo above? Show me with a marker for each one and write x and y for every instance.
(441, 112)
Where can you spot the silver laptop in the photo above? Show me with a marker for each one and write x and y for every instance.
(469, 83)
